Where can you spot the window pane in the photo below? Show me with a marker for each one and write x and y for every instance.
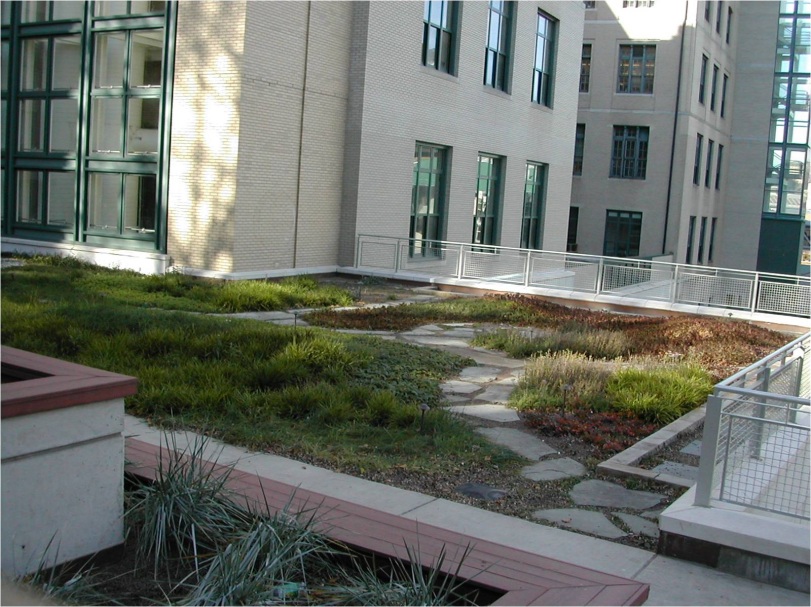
(67, 63)
(34, 64)
(109, 58)
(64, 117)
(35, 10)
(68, 9)
(147, 6)
(146, 59)
(32, 125)
(61, 195)
(142, 133)
(103, 198)
(105, 131)
(29, 195)
(111, 7)
(4, 67)
(139, 203)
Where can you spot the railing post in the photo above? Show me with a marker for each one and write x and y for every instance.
(528, 269)
(674, 287)
(755, 292)
(397, 253)
(599, 286)
(460, 265)
(760, 413)
(357, 251)
(709, 451)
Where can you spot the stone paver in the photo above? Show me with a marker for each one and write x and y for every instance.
(612, 495)
(553, 469)
(461, 333)
(522, 443)
(677, 469)
(638, 525)
(482, 492)
(479, 374)
(455, 386)
(693, 448)
(493, 413)
(582, 520)
(440, 341)
(495, 393)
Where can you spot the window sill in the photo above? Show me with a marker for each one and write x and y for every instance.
(439, 74)
(498, 93)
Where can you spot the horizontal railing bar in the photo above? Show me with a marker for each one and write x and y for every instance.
(763, 362)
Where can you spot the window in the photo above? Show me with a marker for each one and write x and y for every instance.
(585, 68)
(534, 196)
(718, 167)
(629, 154)
(702, 78)
(543, 73)
(438, 35)
(571, 234)
(579, 143)
(708, 170)
(623, 230)
(487, 203)
(712, 240)
(697, 162)
(636, 68)
(729, 24)
(714, 86)
(707, 11)
(427, 200)
(690, 237)
(724, 95)
(637, 3)
(719, 15)
(701, 234)
(497, 52)
(589, 3)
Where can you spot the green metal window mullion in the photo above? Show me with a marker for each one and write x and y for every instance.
(10, 129)
(83, 143)
(164, 124)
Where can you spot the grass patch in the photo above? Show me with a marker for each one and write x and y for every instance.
(595, 343)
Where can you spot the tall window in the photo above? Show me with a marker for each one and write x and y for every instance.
(702, 82)
(629, 152)
(786, 181)
(697, 160)
(427, 199)
(579, 145)
(585, 68)
(691, 232)
(543, 73)
(714, 86)
(87, 129)
(707, 10)
(637, 3)
(724, 95)
(719, 15)
(729, 24)
(718, 167)
(438, 35)
(623, 230)
(701, 234)
(589, 3)
(488, 204)
(534, 197)
(497, 51)
(708, 169)
(637, 64)
(571, 233)
(712, 240)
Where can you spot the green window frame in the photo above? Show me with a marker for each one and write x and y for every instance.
(724, 96)
(498, 51)
(712, 240)
(579, 148)
(534, 206)
(571, 232)
(697, 159)
(88, 85)
(702, 233)
(623, 231)
(629, 153)
(637, 67)
(702, 79)
(718, 164)
(708, 168)
(714, 88)
(691, 232)
(543, 73)
(439, 35)
(428, 200)
(487, 208)
(585, 68)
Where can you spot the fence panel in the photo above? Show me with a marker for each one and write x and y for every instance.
(563, 272)
(783, 298)
(503, 266)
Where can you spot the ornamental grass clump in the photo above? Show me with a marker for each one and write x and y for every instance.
(595, 343)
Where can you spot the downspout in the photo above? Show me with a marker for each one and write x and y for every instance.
(675, 125)
(301, 134)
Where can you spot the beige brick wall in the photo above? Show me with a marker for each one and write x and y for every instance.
(205, 134)
(403, 102)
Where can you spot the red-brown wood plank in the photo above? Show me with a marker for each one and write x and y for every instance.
(525, 578)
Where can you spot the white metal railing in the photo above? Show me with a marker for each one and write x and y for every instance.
(621, 277)
(755, 449)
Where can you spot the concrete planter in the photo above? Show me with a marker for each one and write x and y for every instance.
(62, 460)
